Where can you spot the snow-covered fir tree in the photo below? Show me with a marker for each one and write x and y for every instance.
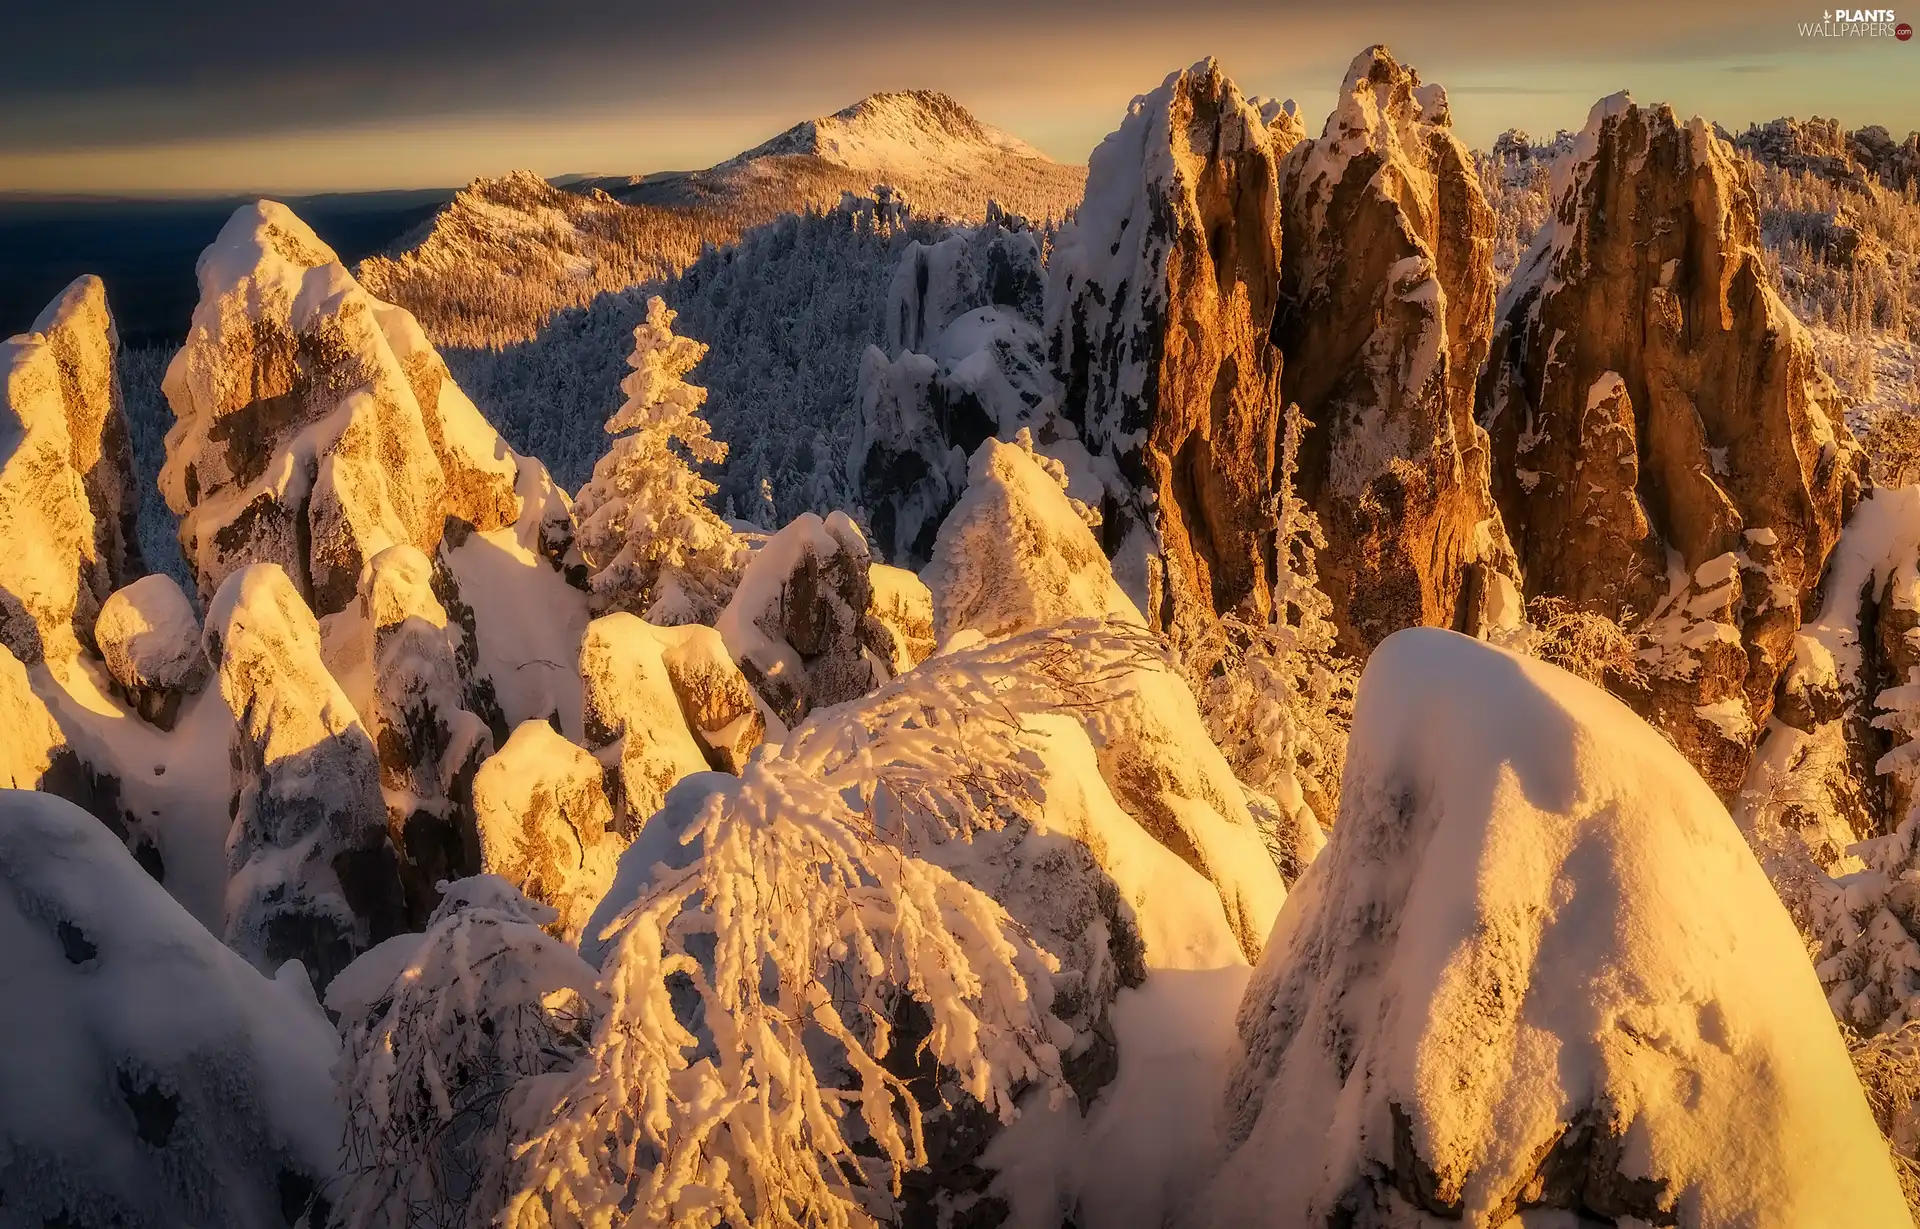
(645, 529)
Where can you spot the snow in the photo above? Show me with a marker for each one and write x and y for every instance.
(33, 739)
(152, 1078)
(902, 133)
(150, 637)
(1532, 912)
(1016, 553)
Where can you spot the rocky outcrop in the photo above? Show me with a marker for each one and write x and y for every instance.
(545, 825)
(1017, 552)
(149, 638)
(1667, 452)
(1160, 295)
(429, 743)
(67, 498)
(79, 329)
(800, 623)
(634, 718)
(314, 425)
(1386, 310)
(313, 873)
(34, 750)
(715, 699)
(965, 361)
(1822, 148)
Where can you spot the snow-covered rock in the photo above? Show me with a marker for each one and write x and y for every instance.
(545, 825)
(716, 701)
(429, 741)
(314, 876)
(1536, 967)
(315, 427)
(149, 638)
(152, 1079)
(34, 749)
(1667, 452)
(1159, 298)
(899, 618)
(633, 716)
(1016, 553)
(965, 361)
(1386, 309)
(78, 327)
(66, 487)
(799, 623)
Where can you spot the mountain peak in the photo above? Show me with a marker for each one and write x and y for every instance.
(895, 130)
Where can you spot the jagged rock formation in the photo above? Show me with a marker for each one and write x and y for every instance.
(545, 826)
(899, 620)
(634, 718)
(965, 361)
(1536, 968)
(149, 638)
(1667, 451)
(1160, 296)
(313, 873)
(1821, 147)
(79, 329)
(429, 742)
(67, 500)
(802, 624)
(1386, 310)
(314, 425)
(153, 1079)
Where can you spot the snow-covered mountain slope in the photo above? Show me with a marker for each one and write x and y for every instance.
(506, 253)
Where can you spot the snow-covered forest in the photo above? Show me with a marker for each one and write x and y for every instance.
(1299, 674)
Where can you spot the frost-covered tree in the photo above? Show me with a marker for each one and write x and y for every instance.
(1276, 696)
(654, 545)
(440, 1030)
(774, 951)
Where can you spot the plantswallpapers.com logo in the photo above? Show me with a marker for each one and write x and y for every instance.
(1857, 23)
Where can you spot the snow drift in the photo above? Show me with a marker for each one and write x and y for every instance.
(1536, 967)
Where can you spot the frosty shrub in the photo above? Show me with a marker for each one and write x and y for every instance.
(1889, 1069)
(1276, 697)
(654, 545)
(1583, 643)
(741, 1073)
(486, 1000)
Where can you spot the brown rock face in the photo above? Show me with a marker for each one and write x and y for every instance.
(79, 329)
(1666, 451)
(1161, 294)
(1386, 310)
(66, 479)
(429, 743)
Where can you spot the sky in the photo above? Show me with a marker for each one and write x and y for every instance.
(224, 96)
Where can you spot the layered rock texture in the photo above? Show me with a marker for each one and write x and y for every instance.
(1385, 313)
(313, 874)
(67, 498)
(1160, 296)
(314, 425)
(1667, 451)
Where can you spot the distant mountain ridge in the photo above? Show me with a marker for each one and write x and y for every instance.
(506, 253)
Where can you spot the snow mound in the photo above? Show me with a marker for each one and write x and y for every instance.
(150, 640)
(1536, 967)
(313, 873)
(545, 826)
(1016, 553)
(152, 1078)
